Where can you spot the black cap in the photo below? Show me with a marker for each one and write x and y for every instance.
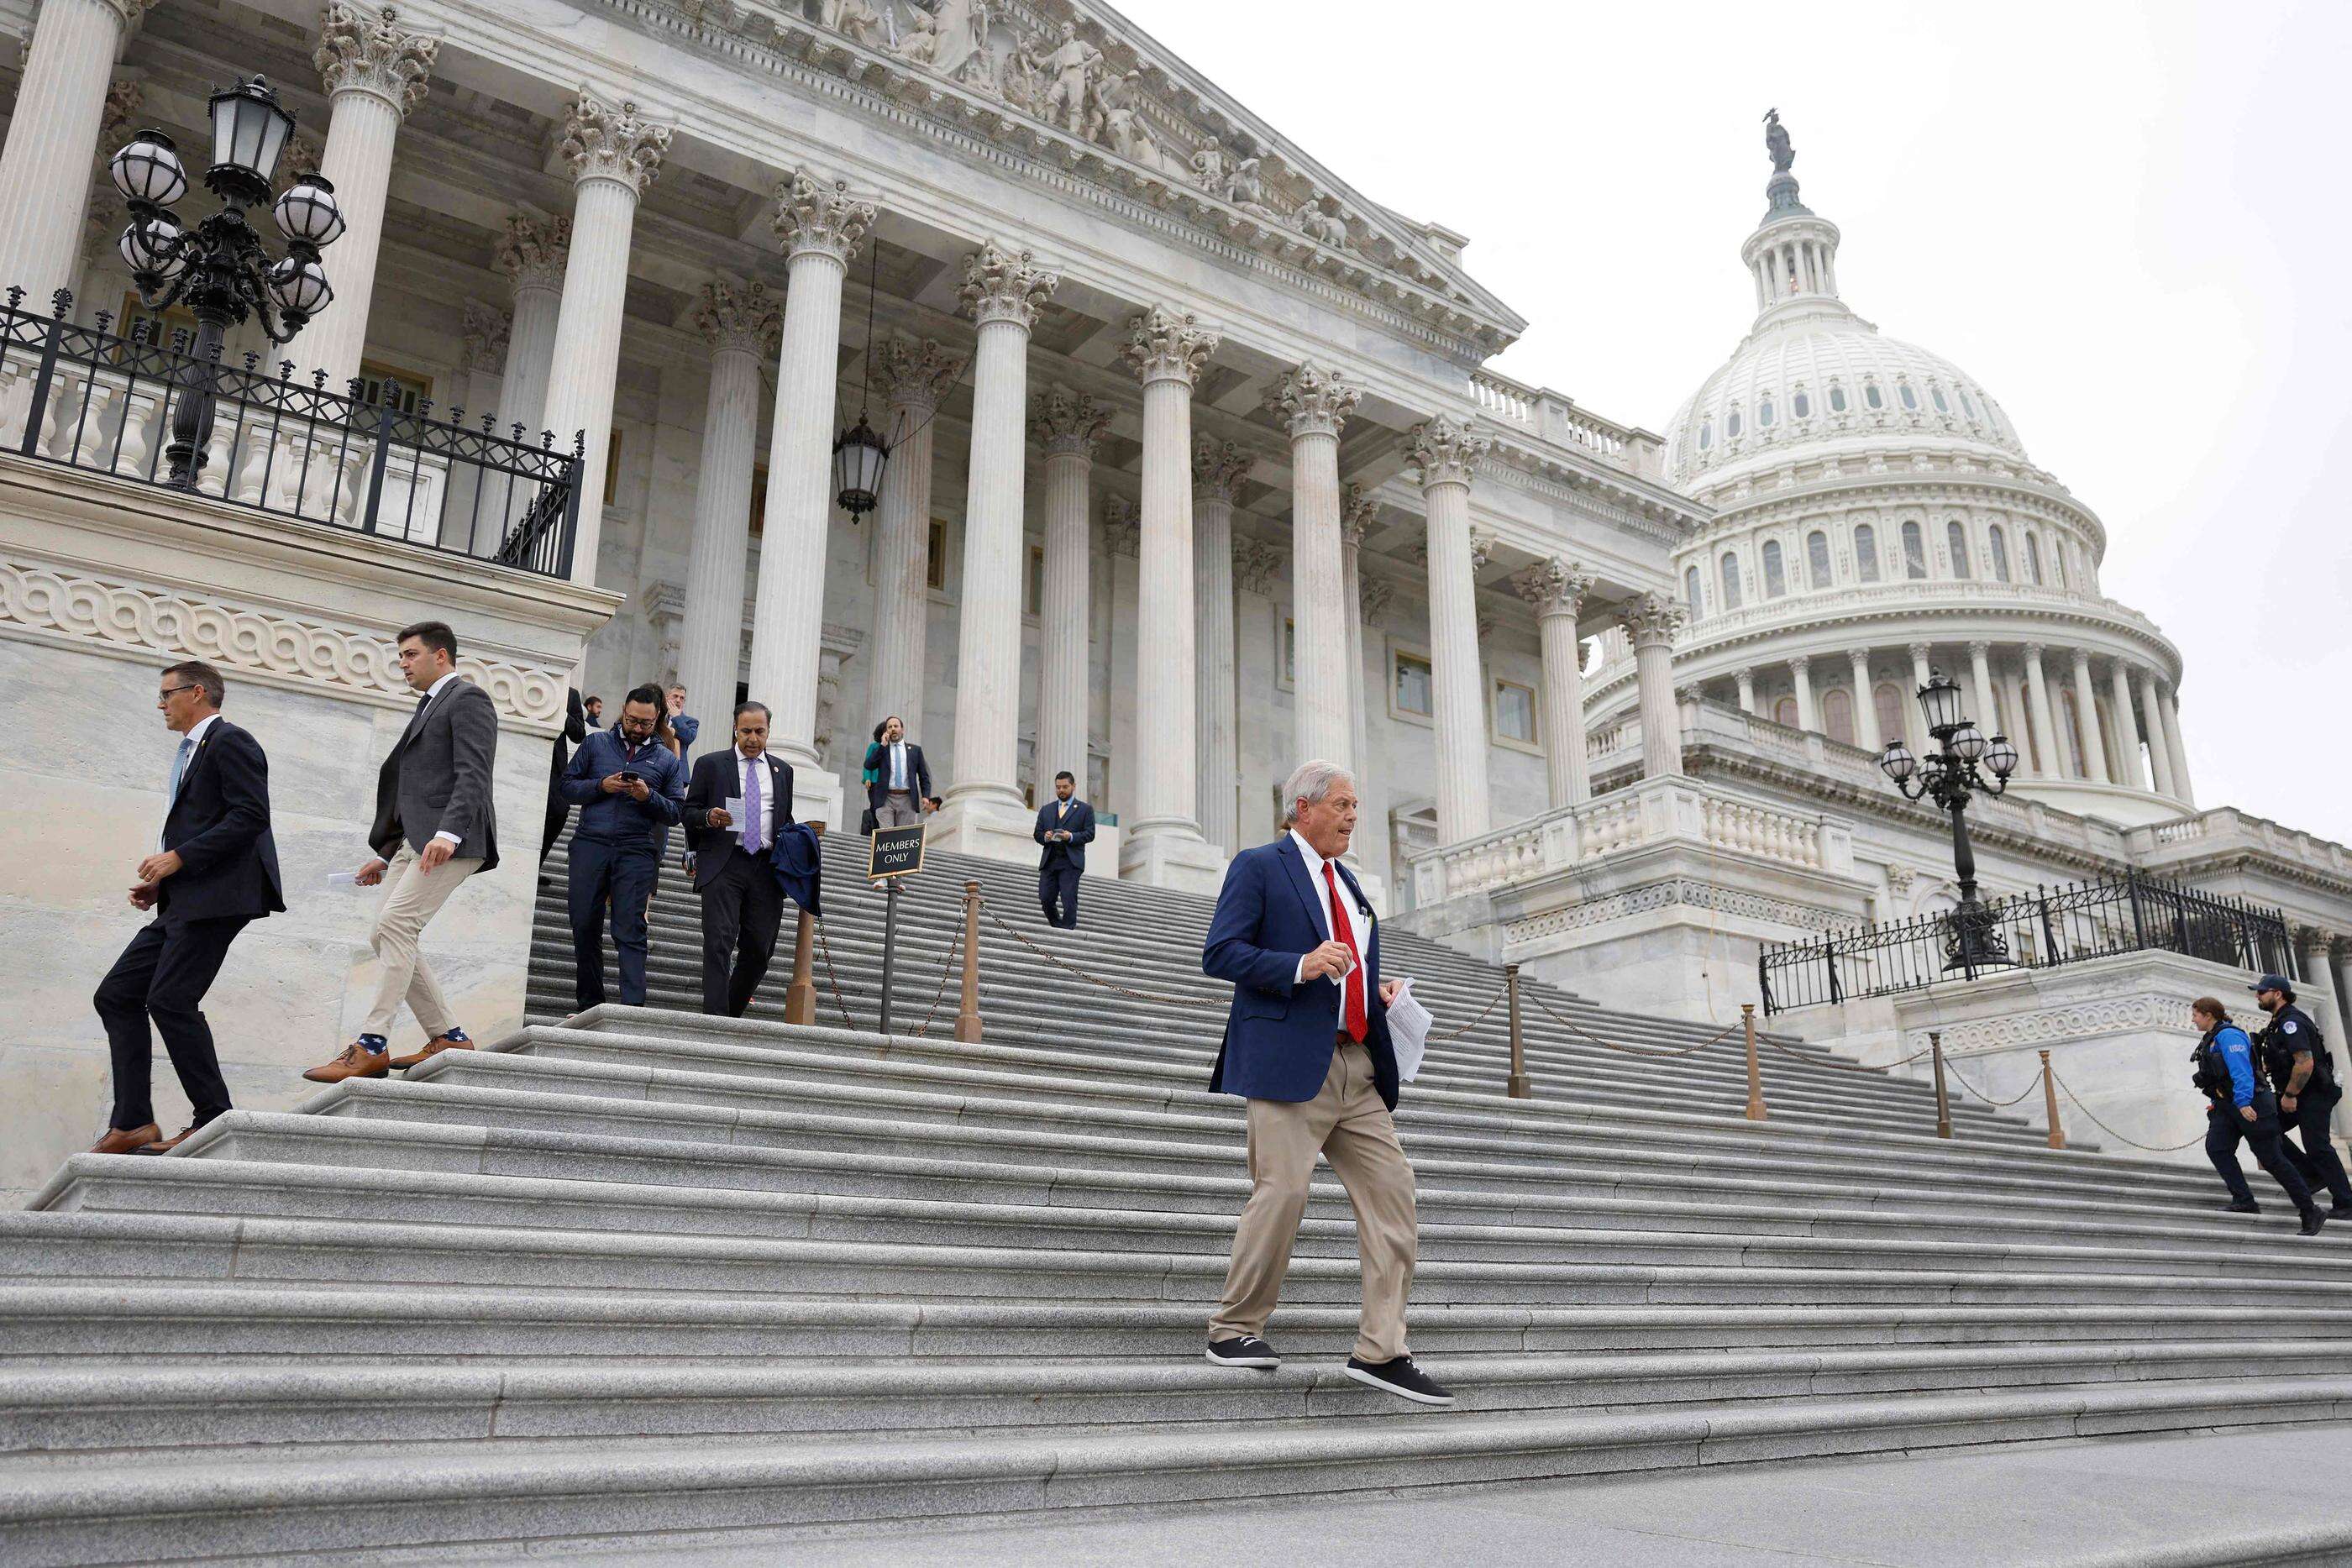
(2278, 983)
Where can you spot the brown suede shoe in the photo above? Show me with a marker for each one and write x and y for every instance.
(434, 1047)
(126, 1140)
(356, 1061)
(164, 1145)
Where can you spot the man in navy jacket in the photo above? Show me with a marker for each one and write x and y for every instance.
(1307, 1044)
(1066, 826)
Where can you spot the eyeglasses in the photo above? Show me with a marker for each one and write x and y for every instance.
(175, 691)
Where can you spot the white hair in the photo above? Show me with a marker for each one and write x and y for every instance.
(1309, 781)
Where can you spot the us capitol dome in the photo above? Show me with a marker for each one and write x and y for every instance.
(1877, 515)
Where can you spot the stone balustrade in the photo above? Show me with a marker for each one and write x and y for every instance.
(1556, 418)
(2227, 830)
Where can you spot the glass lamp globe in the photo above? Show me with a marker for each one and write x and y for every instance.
(151, 246)
(1898, 762)
(308, 212)
(1970, 742)
(300, 286)
(148, 169)
(2001, 756)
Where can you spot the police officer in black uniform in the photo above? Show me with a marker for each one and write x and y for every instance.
(2240, 1105)
(2295, 1055)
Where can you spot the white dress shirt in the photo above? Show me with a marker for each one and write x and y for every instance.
(432, 692)
(898, 766)
(192, 740)
(743, 767)
(1347, 907)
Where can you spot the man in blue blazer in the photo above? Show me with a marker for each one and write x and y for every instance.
(1066, 826)
(1306, 1044)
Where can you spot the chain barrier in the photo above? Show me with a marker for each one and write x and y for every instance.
(1880, 1068)
(832, 979)
(1067, 967)
(1953, 1074)
(1545, 1007)
(2146, 1148)
(1473, 1023)
(947, 968)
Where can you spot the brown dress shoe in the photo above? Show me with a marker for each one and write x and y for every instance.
(126, 1140)
(356, 1061)
(164, 1145)
(434, 1047)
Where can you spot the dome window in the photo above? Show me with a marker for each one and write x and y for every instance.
(2034, 559)
(1730, 572)
(1801, 406)
(1731, 425)
(1999, 542)
(1765, 414)
(1837, 714)
(1865, 552)
(1910, 398)
(1955, 539)
(1914, 552)
(1706, 434)
(1817, 559)
(1936, 394)
(1690, 589)
(1870, 396)
(2058, 564)
(1837, 397)
(1967, 403)
(1776, 574)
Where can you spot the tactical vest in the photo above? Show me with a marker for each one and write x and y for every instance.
(2278, 1048)
(2210, 1074)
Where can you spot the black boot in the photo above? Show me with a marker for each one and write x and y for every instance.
(2312, 1220)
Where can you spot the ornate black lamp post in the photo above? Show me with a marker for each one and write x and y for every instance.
(219, 266)
(1948, 776)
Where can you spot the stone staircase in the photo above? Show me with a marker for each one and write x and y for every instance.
(641, 1277)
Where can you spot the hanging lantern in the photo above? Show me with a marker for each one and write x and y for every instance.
(250, 128)
(858, 457)
(1939, 699)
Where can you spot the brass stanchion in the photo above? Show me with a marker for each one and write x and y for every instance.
(1517, 1086)
(967, 1024)
(799, 996)
(1943, 1101)
(2050, 1103)
(1755, 1112)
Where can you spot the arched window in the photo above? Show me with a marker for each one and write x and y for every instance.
(1967, 403)
(1999, 542)
(1888, 702)
(1817, 557)
(1837, 397)
(1731, 425)
(1910, 398)
(1937, 394)
(1765, 414)
(1800, 405)
(1706, 434)
(1870, 396)
(2058, 563)
(2034, 559)
(1837, 715)
(2070, 725)
(1730, 572)
(1955, 539)
(1776, 576)
(1690, 587)
(1915, 551)
(1784, 711)
(1865, 553)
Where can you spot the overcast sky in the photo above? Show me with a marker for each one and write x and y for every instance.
(2128, 221)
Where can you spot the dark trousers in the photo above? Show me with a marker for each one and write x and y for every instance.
(1057, 890)
(164, 974)
(743, 907)
(558, 809)
(2316, 1161)
(2224, 1127)
(625, 874)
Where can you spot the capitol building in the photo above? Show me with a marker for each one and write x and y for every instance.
(1191, 466)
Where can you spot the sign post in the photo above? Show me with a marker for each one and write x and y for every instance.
(891, 854)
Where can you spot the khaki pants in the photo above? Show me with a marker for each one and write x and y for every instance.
(412, 897)
(899, 809)
(1347, 1123)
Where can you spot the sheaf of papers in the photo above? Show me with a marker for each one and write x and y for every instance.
(1408, 1024)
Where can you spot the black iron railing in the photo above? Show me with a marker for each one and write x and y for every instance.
(2041, 930)
(81, 396)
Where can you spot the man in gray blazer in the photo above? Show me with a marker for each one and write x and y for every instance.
(434, 828)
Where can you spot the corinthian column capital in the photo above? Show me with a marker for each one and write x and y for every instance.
(1004, 286)
(740, 316)
(368, 51)
(1357, 512)
(484, 342)
(1445, 451)
(1651, 621)
(915, 375)
(1218, 468)
(1065, 421)
(130, 12)
(533, 250)
(1554, 586)
(604, 143)
(1167, 345)
(815, 217)
(1313, 402)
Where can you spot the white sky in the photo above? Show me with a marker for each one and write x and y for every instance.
(2128, 221)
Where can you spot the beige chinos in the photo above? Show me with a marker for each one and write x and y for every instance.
(412, 897)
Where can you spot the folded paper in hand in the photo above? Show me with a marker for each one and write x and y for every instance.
(1408, 1024)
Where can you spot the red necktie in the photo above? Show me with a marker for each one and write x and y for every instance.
(1351, 1009)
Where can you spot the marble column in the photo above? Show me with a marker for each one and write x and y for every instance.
(1866, 702)
(613, 153)
(2044, 711)
(1218, 469)
(740, 321)
(2087, 715)
(1914, 718)
(376, 72)
(2311, 945)
(911, 378)
(1163, 844)
(1446, 454)
(2159, 756)
(1557, 589)
(1357, 512)
(1747, 691)
(1003, 291)
(1313, 404)
(819, 225)
(1651, 623)
(471, 520)
(2342, 971)
(2167, 702)
(1065, 427)
(533, 253)
(53, 130)
(2134, 772)
(1808, 712)
(1987, 713)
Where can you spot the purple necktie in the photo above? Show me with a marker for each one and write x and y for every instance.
(752, 772)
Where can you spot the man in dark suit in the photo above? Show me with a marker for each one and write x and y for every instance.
(215, 868)
(629, 788)
(434, 828)
(1307, 1044)
(1066, 826)
(898, 780)
(742, 901)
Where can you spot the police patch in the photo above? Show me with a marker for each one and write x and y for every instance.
(2288, 1028)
